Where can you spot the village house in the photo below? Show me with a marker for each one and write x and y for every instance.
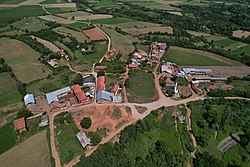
(196, 71)
(100, 83)
(100, 68)
(53, 63)
(20, 125)
(115, 89)
(80, 95)
(133, 65)
(29, 100)
(44, 121)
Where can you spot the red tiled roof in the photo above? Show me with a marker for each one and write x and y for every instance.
(133, 66)
(141, 52)
(154, 61)
(154, 51)
(19, 123)
(115, 89)
(62, 52)
(80, 95)
(100, 83)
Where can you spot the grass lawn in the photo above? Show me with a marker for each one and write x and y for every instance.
(7, 138)
(11, 1)
(60, 10)
(112, 21)
(188, 57)
(138, 90)
(77, 26)
(8, 90)
(121, 43)
(67, 144)
(31, 24)
(20, 12)
(84, 62)
(62, 79)
(23, 60)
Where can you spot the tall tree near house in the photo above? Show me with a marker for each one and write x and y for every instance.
(86, 123)
(78, 79)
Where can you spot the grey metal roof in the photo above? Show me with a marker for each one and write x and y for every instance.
(164, 68)
(83, 139)
(52, 96)
(192, 70)
(117, 99)
(29, 99)
(104, 95)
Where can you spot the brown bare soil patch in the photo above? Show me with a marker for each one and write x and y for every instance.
(184, 90)
(141, 109)
(32, 152)
(241, 33)
(101, 117)
(138, 31)
(95, 35)
(8, 5)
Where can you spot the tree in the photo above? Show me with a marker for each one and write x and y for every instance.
(95, 138)
(2, 60)
(78, 79)
(86, 123)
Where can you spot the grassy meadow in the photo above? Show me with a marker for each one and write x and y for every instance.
(30, 24)
(60, 10)
(138, 90)
(11, 1)
(189, 57)
(8, 90)
(23, 60)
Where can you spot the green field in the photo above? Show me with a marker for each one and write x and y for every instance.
(30, 24)
(112, 21)
(11, 1)
(20, 12)
(157, 5)
(23, 60)
(190, 57)
(85, 62)
(140, 91)
(7, 138)
(8, 90)
(67, 150)
(62, 79)
(77, 26)
(52, 1)
(105, 3)
(121, 43)
(60, 10)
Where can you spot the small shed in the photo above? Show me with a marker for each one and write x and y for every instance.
(83, 139)
(29, 100)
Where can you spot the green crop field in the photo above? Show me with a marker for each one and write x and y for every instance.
(60, 10)
(20, 12)
(140, 91)
(7, 138)
(77, 26)
(104, 3)
(8, 90)
(23, 60)
(52, 1)
(11, 1)
(189, 57)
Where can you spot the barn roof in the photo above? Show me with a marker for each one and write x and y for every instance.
(19, 123)
(29, 99)
(52, 96)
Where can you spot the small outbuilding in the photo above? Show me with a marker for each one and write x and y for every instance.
(20, 125)
(83, 139)
(29, 100)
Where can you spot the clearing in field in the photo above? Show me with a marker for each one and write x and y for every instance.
(195, 33)
(60, 5)
(32, 152)
(165, 5)
(241, 34)
(48, 44)
(30, 24)
(77, 26)
(192, 57)
(79, 36)
(121, 43)
(95, 35)
(138, 90)
(80, 15)
(137, 24)
(56, 19)
(23, 60)
(60, 10)
(8, 90)
(176, 13)
(227, 44)
(138, 31)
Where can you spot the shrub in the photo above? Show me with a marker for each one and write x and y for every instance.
(95, 138)
(86, 123)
